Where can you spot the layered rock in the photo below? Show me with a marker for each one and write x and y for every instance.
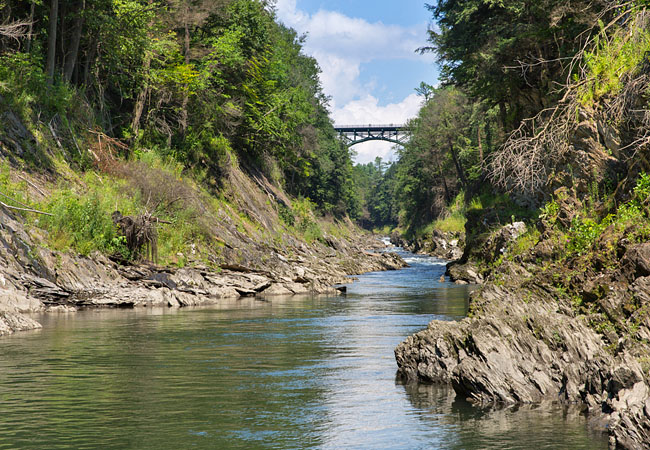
(34, 279)
(439, 244)
(483, 251)
(522, 344)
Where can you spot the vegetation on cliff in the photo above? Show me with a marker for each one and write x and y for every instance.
(197, 114)
(563, 314)
(535, 96)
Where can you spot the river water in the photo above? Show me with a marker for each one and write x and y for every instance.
(295, 373)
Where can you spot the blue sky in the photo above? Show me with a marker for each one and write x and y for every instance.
(366, 50)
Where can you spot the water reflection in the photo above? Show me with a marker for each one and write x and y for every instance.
(545, 426)
(309, 372)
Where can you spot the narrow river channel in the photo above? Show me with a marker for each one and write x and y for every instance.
(289, 373)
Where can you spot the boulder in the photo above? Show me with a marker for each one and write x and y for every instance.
(12, 322)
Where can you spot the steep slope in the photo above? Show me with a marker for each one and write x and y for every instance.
(211, 244)
(564, 314)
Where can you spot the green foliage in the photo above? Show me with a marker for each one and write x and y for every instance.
(583, 234)
(286, 215)
(482, 44)
(24, 85)
(209, 83)
(454, 223)
(82, 223)
(451, 137)
(642, 190)
(300, 217)
(549, 212)
(525, 242)
(621, 54)
(10, 188)
(585, 231)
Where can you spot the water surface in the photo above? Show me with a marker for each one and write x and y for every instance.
(292, 373)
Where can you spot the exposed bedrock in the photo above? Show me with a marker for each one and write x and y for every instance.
(35, 279)
(521, 345)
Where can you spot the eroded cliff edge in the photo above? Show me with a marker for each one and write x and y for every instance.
(34, 278)
(525, 342)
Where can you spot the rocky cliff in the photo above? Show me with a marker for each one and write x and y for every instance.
(566, 317)
(560, 332)
(228, 242)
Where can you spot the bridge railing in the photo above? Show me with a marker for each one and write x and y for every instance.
(372, 125)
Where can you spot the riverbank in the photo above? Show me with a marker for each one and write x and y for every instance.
(35, 279)
(292, 372)
(562, 317)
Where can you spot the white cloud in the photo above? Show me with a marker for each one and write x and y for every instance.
(341, 44)
(368, 110)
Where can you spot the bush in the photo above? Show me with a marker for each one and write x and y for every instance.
(82, 223)
(612, 58)
(24, 83)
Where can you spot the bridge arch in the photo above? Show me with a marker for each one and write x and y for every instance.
(357, 134)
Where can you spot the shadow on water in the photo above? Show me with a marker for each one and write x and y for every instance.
(307, 372)
(542, 426)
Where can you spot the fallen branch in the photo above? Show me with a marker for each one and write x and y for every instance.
(25, 209)
(32, 185)
(14, 200)
(15, 30)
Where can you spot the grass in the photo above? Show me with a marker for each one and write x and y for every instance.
(460, 208)
(612, 58)
(454, 223)
(149, 182)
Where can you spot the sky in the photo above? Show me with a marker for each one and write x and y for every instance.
(366, 51)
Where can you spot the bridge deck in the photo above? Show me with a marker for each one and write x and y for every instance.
(367, 128)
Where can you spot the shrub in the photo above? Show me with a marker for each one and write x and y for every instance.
(82, 223)
(612, 58)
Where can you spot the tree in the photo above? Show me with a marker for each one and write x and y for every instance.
(510, 52)
(51, 41)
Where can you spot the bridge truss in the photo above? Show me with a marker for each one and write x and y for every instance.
(356, 134)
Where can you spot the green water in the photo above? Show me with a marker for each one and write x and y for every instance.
(287, 373)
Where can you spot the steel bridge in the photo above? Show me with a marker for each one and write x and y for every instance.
(356, 134)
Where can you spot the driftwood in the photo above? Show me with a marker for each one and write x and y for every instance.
(140, 232)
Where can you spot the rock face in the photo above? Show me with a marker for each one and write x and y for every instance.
(521, 344)
(438, 244)
(12, 322)
(33, 278)
(484, 251)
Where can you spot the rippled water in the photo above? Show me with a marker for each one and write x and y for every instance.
(286, 373)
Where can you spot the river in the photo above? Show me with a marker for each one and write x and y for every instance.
(293, 373)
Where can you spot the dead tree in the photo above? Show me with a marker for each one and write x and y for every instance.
(141, 234)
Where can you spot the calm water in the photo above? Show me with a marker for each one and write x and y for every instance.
(288, 373)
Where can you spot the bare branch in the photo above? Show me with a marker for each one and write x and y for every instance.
(25, 209)
(535, 149)
(15, 30)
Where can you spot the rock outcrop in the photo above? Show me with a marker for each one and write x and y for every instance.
(522, 343)
(35, 279)
(438, 244)
(483, 251)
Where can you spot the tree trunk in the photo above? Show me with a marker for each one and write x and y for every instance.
(140, 101)
(71, 59)
(90, 59)
(31, 27)
(457, 163)
(142, 95)
(187, 62)
(444, 183)
(480, 145)
(61, 35)
(51, 41)
(503, 116)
